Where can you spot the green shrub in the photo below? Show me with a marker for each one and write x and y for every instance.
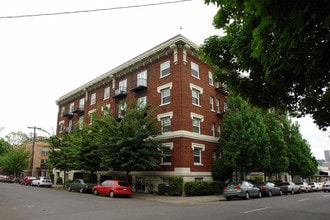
(200, 188)
(175, 185)
(163, 189)
(59, 181)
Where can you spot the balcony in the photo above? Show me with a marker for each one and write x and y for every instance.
(68, 114)
(120, 93)
(221, 114)
(221, 88)
(139, 85)
(78, 111)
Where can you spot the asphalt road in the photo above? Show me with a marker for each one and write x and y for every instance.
(25, 202)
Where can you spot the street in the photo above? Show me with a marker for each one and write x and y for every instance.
(25, 202)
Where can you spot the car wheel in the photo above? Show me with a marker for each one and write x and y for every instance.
(270, 194)
(247, 195)
(69, 188)
(95, 192)
(228, 198)
(112, 194)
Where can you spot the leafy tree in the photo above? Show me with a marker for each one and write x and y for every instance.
(244, 142)
(283, 47)
(129, 144)
(15, 160)
(220, 171)
(301, 161)
(16, 139)
(4, 146)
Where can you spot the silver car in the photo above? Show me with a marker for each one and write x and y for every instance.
(241, 189)
(326, 187)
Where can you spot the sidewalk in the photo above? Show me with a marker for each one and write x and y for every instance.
(169, 199)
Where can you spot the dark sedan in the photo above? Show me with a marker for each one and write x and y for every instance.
(269, 189)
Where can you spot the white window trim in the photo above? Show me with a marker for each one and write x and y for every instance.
(161, 69)
(168, 145)
(199, 146)
(164, 115)
(191, 66)
(106, 95)
(212, 103)
(93, 100)
(195, 115)
(211, 79)
(162, 87)
(200, 89)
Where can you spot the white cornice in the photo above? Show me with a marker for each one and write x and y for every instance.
(187, 134)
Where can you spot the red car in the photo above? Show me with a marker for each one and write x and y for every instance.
(27, 180)
(113, 188)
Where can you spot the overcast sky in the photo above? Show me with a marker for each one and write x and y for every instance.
(46, 56)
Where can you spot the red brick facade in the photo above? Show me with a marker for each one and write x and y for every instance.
(180, 52)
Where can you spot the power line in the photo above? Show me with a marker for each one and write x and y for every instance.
(92, 10)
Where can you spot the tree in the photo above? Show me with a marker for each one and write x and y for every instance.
(15, 160)
(244, 141)
(130, 144)
(16, 139)
(283, 47)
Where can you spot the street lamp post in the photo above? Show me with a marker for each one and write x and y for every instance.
(33, 148)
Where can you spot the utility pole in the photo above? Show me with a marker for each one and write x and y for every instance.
(33, 148)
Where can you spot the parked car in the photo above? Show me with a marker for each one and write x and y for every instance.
(316, 187)
(27, 180)
(326, 187)
(289, 187)
(269, 189)
(241, 189)
(42, 181)
(304, 187)
(113, 188)
(8, 179)
(80, 185)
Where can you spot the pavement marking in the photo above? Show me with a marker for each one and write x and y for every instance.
(257, 210)
(301, 200)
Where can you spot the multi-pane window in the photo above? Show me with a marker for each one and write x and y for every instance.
(197, 151)
(106, 92)
(167, 155)
(195, 96)
(142, 78)
(194, 69)
(217, 105)
(123, 86)
(165, 96)
(213, 129)
(82, 103)
(93, 98)
(62, 110)
(122, 109)
(165, 68)
(44, 151)
(166, 124)
(196, 123)
(212, 103)
(71, 109)
(142, 101)
(210, 78)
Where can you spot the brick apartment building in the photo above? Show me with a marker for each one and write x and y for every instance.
(190, 106)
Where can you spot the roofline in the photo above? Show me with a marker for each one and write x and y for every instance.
(127, 66)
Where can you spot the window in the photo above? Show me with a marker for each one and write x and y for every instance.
(80, 121)
(195, 96)
(123, 86)
(196, 91)
(197, 151)
(44, 151)
(167, 153)
(122, 109)
(71, 108)
(219, 130)
(217, 105)
(225, 107)
(166, 96)
(194, 70)
(211, 78)
(82, 103)
(213, 129)
(196, 122)
(93, 98)
(106, 92)
(165, 120)
(165, 69)
(62, 110)
(142, 78)
(142, 101)
(165, 93)
(105, 109)
(70, 126)
(91, 114)
(212, 103)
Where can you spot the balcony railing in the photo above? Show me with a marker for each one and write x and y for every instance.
(139, 85)
(120, 93)
(78, 111)
(67, 114)
(222, 88)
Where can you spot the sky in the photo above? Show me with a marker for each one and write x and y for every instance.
(50, 47)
